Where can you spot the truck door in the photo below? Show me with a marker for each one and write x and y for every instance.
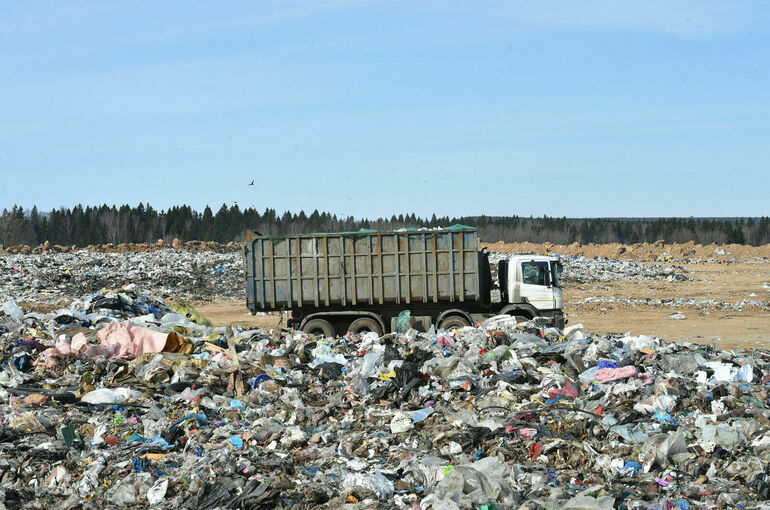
(536, 284)
(558, 295)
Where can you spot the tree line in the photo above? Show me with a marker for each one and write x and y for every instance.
(82, 226)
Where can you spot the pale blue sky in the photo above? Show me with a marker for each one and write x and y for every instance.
(566, 108)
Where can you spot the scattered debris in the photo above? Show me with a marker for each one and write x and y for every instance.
(493, 416)
(584, 270)
(699, 304)
(58, 277)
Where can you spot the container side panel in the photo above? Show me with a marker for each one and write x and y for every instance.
(385, 267)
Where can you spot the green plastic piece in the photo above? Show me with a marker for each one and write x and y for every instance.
(402, 326)
(71, 438)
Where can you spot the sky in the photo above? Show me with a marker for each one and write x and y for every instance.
(577, 108)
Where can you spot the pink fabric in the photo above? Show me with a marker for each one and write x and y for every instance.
(527, 432)
(119, 339)
(568, 391)
(77, 346)
(79, 342)
(606, 375)
(126, 341)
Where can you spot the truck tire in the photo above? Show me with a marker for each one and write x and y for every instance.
(363, 324)
(522, 316)
(319, 327)
(453, 322)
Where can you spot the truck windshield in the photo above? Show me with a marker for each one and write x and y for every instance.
(555, 273)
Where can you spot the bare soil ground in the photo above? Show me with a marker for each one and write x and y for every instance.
(741, 330)
(223, 312)
(728, 282)
(643, 251)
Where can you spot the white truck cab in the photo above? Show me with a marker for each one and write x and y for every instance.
(530, 285)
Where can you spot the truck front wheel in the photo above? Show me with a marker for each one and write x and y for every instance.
(453, 322)
(364, 324)
(523, 316)
(319, 327)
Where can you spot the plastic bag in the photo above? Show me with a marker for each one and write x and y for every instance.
(109, 396)
(403, 323)
(13, 311)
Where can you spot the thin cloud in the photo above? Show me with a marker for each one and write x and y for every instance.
(690, 18)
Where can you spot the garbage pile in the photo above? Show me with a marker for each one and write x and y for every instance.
(579, 269)
(119, 401)
(699, 304)
(57, 277)
(600, 269)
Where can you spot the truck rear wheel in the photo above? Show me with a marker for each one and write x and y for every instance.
(452, 323)
(319, 327)
(364, 324)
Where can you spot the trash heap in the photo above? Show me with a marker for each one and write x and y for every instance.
(699, 304)
(579, 269)
(58, 277)
(55, 277)
(118, 401)
(601, 269)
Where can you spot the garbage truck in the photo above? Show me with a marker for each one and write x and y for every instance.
(333, 283)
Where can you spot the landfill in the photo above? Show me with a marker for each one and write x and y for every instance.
(700, 304)
(578, 269)
(59, 277)
(54, 277)
(118, 401)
